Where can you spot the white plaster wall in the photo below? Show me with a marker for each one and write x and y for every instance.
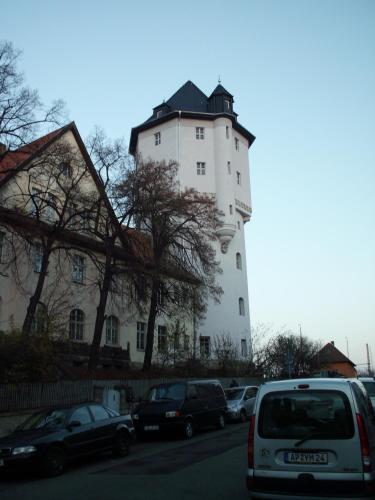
(178, 142)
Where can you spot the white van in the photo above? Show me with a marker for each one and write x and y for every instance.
(311, 439)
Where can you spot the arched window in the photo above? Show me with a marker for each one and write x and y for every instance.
(241, 306)
(39, 323)
(238, 261)
(111, 330)
(76, 324)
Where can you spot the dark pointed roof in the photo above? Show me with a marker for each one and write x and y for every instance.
(190, 102)
(220, 90)
(188, 98)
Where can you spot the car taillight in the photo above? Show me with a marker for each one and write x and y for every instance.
(250, 443)
(365, 448)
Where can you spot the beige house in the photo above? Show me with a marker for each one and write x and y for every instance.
(53, 200)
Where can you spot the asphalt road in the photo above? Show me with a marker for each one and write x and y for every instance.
(210, 466)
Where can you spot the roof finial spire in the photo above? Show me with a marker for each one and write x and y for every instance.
(219, 80)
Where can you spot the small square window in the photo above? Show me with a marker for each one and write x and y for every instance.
(65, 169)
(237, 143)
(199, 132)
(201, 168)
(229, 167)
(157, 137)
(243, 348)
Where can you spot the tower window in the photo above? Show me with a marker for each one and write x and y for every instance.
(241, 306)
(226, 105)
(201, 168)
(229, 167)
(199, 132)
(78, 271)
(162, 338)
(159, 113)
(237, 143)
(205, 346)
(238, 261)
(239, 224)
(76, 324)
(238, 178)
(111, 330)
(243, 348)
(141, 334)
(157, 137)
(231, 209)
(227, 132)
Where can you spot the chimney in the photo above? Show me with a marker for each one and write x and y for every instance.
(3, 148)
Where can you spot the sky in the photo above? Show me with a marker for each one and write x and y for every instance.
(302, 73)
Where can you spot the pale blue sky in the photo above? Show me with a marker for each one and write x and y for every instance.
(303, 77)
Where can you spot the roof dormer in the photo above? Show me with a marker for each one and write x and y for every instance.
(221, 101)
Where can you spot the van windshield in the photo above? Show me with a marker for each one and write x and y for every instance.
(165, 392)
(292, 414)
(370, 387)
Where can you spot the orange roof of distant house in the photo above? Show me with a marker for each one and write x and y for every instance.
(10, 160)
(330, 354)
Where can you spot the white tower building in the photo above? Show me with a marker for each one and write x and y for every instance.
(203, 135)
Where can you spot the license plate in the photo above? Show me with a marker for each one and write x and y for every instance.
(1, 462)
(151, 427)
(306, 458)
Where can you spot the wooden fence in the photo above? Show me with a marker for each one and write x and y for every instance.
(20, 397)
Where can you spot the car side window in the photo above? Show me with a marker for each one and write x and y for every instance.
(99, 412)
(250, 393)
(192, 392)
(361, 400)
(204, 391)
(81, 415)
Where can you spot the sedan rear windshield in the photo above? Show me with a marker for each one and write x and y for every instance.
(166, 392)
(305, 415)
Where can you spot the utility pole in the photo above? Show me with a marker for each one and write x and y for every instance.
(368, 360)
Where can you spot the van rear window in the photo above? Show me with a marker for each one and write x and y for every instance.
(297, 414)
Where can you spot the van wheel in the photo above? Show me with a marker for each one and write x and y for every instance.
(188, 429)
(220, 421)
(243, 416)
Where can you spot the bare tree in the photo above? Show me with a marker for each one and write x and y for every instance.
(21, 110)
(179, 226)
(226, 352)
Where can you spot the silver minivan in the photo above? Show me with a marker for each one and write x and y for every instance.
(311, 439)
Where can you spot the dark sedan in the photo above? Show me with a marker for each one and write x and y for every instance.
(50, 438)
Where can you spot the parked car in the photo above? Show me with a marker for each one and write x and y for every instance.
(369, 384)
(48, 439)
(311, 438)
(182, 407)
(240, 401)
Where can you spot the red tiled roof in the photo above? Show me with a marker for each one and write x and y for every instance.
(10, 160)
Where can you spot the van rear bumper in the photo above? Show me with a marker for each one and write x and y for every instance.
(300, 489)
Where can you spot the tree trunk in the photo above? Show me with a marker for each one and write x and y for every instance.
(100, 311)
(35, 298)
(151, 325)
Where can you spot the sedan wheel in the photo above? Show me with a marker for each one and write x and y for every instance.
(54, 461)
(122, 444)
(188, 429)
